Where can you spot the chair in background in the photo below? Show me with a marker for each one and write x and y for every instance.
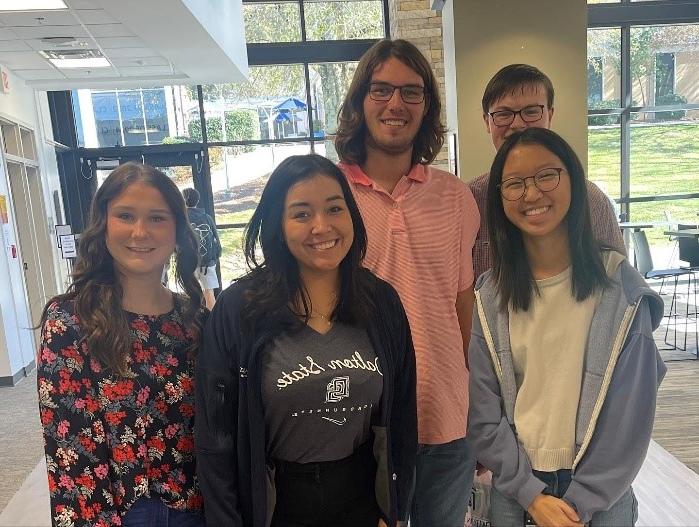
(689, 253)
(672, 225)
(644, 262)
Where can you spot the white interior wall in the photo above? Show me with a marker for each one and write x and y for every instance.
(17, 348)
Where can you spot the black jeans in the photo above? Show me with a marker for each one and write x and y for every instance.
(337, 493)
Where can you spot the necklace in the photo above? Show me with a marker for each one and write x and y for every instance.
(324, 318)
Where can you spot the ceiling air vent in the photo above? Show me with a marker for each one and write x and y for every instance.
(64, 42)
(76, 58)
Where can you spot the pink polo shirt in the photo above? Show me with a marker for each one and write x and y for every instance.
(421, 238)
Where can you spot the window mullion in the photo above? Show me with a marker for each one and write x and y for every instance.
(626, 102)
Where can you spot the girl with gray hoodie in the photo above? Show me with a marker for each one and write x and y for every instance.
(564, 370)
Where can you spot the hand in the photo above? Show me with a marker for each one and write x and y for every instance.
(549, 511)
(382, 523)
(480, 469)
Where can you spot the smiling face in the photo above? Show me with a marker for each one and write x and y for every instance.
(536, 214)
(521, 97)
(141, 231)
(392, 125)
(317, 225)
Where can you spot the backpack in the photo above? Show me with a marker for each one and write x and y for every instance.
(209, 244)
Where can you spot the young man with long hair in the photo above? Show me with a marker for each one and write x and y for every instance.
(421, 224)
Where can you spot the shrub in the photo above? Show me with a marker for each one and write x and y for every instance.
(671, 98)
(603, 120)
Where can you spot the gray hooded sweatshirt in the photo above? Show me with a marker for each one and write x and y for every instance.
(623, 370)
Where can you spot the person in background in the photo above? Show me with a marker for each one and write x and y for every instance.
(115, 364)
(520, 96)
(306, 378)
(421, 223)
(209, 245)
(561, 413)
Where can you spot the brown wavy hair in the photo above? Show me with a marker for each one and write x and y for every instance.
(351, 129)
(96, 289)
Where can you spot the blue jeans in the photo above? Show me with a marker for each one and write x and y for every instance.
(443, 480)
(506, 512)
(151, 512)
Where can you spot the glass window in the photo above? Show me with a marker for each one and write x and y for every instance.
(272, 22)
(238, 176)
(594, 80)
(342, 20)
(604, 153)
(668, 55)
(603, 68)
(105, 118)
(270, 106)
(132, 117)
(329, 84)
(106, 124)
(664, 152)
(664, 77)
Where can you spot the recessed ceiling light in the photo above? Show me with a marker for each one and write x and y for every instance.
(31, 5)
(99, 62)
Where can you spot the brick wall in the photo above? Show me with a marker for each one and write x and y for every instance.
(413, 20)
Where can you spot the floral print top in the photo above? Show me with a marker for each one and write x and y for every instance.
(109, 439)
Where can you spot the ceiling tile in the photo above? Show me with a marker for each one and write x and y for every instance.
(33, 75)
(109, 30)
(40, 45)
(146, 71)
(7, 34)
(27, 60)
(13, 45)
(94, 16)
(142, 61)
(50, 31)
(120, 42)
(121, 53)
(38, 18)
(83, 74)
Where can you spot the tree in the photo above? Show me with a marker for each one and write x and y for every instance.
(646, 43)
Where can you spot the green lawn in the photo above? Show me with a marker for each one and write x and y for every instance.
(664, 160)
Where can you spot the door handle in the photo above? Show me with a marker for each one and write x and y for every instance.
(26, 267)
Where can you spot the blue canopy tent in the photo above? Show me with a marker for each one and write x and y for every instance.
(286, 110)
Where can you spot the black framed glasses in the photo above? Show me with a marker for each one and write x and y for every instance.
(528, 114)
(410, 93)
(546, 180)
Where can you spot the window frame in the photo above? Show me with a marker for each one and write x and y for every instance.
(624, 16)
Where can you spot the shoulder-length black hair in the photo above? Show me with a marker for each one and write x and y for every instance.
(96, 288)
(511, 269)
(275, 281)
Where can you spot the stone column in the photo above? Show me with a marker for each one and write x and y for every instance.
(413, 20)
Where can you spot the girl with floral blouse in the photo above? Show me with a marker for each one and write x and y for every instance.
(115, 375)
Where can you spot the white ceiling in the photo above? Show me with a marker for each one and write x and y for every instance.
(147, 42)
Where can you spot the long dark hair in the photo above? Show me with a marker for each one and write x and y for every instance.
(96, 289)
(511, 269)
(351, 130)
(275, 282)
